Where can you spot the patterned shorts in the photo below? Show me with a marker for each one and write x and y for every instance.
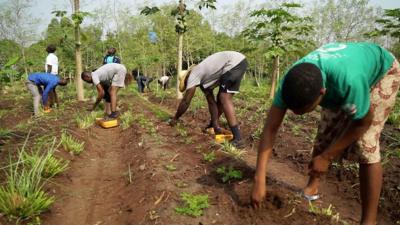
(334, 123)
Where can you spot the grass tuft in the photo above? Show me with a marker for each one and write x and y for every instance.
(87, 120)
(71, 144)
(127, 119)
(22, 196)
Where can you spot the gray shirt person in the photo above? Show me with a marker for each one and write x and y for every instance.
(209, 71)
(113, 73)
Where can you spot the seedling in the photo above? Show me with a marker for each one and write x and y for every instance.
(209, 157)
(229, 174)
(71, 144)
(126, 119)
(193, 205)
(170, 167)
(232, 150)
(324, 211)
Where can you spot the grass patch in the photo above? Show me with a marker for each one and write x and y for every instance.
(22, 196)
(231, 150)
(70, 144)
(193, 205)
(52, 165)
(127, 119)
(87, 120)
(227, 175)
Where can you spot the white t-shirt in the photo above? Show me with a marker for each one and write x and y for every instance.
(164, 79)
(52, 60)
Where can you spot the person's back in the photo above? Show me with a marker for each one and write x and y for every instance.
(107, 72)
(208, 72)
(43, 78)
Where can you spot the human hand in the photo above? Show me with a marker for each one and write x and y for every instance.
(258, 194)
(319, 165)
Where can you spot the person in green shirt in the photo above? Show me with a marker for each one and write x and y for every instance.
(356, 85)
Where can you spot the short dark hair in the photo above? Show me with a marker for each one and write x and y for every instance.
(112, 51)
(302, 85)
(85, 74)
(51, 48)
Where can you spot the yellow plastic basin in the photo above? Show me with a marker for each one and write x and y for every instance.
(220, 138)
(107, 123)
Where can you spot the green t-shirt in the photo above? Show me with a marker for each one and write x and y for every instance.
(349, 70)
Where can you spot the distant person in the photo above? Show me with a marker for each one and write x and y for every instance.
(224, 69)
(142, 80)
(111, 57)
(51, 66)
(356, 85)
(163, 81)
(108, 79)
(37, 82)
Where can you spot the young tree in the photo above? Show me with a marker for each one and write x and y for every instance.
(283, 30)
(17, 24)
(180, 14)
(77, 18)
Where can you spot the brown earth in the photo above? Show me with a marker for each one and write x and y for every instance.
(98, 189)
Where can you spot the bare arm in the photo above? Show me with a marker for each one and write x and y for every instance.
(100, 95)
(271, 127)
(356, 129)
(185, 102)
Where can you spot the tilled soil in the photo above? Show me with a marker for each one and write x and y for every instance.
(121, 178)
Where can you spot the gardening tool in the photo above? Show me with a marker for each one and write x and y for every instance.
(107, 123)
(221, 138)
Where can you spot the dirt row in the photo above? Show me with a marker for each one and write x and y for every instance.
(122, 177)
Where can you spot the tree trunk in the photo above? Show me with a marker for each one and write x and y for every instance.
(24, 60)
(78, 57)
(179, 94)
(275, 77)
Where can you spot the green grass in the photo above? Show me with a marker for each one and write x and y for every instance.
(209, 157)
(231, 150)
(193, 205)
(85, 121)
(230, 174)
(52, 165)
(328, 212)
(71, 144)
(127, 119)
(22, 195)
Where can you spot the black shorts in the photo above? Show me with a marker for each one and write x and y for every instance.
(106, 96)
(230, 81)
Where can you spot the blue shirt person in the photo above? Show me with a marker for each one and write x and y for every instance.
(48, 81)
